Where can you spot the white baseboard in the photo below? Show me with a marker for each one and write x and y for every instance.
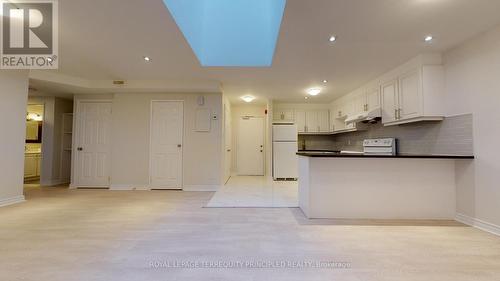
(72, 186)
(479, 224)
(11, 200)
(200, 187)
(128, 187)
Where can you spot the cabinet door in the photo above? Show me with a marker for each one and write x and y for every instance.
(312, 125)
(410, 95)
(389, 101)
(29, 166)
(279, 114)
(288, 114)
(38, 169)
(324, 121)
(372, 98)
(300, 120)
(358, 103)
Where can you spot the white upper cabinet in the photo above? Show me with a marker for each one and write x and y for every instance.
(410, 95)
(324, 121)
(309, 118)
(312, 122)
(283, 115)
(372, 97)
(414, 92)
(358, 102)
(390, 97)
(300, 120)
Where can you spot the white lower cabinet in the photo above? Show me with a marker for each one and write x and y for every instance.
(32, 165)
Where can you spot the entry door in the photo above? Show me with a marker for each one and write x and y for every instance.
(167, 123)
(250, 156)
(227, 143)
(93, 144)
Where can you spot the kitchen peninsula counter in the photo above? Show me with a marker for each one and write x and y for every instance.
(359, 186)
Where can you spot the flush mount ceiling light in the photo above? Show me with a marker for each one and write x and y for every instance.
(325, 81)
(428, 38)
(332, 38)
(248, 98)
(147, 59)
(313, 91)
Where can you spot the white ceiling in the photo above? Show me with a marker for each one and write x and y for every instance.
(105, 40)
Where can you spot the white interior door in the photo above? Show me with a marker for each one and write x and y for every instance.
(93, 144)
(250, 156)
(167, 125)
(227, 143)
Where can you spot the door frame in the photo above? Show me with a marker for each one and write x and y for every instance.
(264, 148)
(76, 136)
(150, 176)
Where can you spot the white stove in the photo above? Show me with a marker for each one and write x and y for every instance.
(385, 146)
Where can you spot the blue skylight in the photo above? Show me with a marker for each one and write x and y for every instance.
(230, 32)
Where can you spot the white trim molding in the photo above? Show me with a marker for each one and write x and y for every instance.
(479, 224)
(12, 200)
(200, 187)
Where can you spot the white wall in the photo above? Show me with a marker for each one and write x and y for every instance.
(202, 159)
(473, 86)
(237, 111)
(13, 100)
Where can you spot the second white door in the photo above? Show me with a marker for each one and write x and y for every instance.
(167, 123)
(250, 154)
(93, 144)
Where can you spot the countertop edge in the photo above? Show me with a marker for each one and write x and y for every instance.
(403, 156)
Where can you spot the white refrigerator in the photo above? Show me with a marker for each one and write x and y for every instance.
(285, 159)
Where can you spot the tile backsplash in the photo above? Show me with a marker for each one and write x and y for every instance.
(451, 136)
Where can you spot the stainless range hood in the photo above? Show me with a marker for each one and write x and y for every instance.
(367, 116)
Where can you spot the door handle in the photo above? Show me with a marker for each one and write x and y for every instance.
(80, 149)
(261, 150)
(229, 150)
(179, 145)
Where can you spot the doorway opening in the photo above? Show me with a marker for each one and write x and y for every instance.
(33, 144)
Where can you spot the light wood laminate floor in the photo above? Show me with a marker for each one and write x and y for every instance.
(61, 234)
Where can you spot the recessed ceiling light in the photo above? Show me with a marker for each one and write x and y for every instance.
(248, 98)
(314, 91)
(306, 98)
(428, 38)
(325, 81)
(146, 58)
(332, 38)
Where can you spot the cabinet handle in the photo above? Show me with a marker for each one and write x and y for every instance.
(399, 113)
(305, 128)
(319, 130)
(396, 114)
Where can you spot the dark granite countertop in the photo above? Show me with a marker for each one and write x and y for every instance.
(337, 154)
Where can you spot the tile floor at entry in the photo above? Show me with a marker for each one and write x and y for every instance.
(256, 191)
(66, 235)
